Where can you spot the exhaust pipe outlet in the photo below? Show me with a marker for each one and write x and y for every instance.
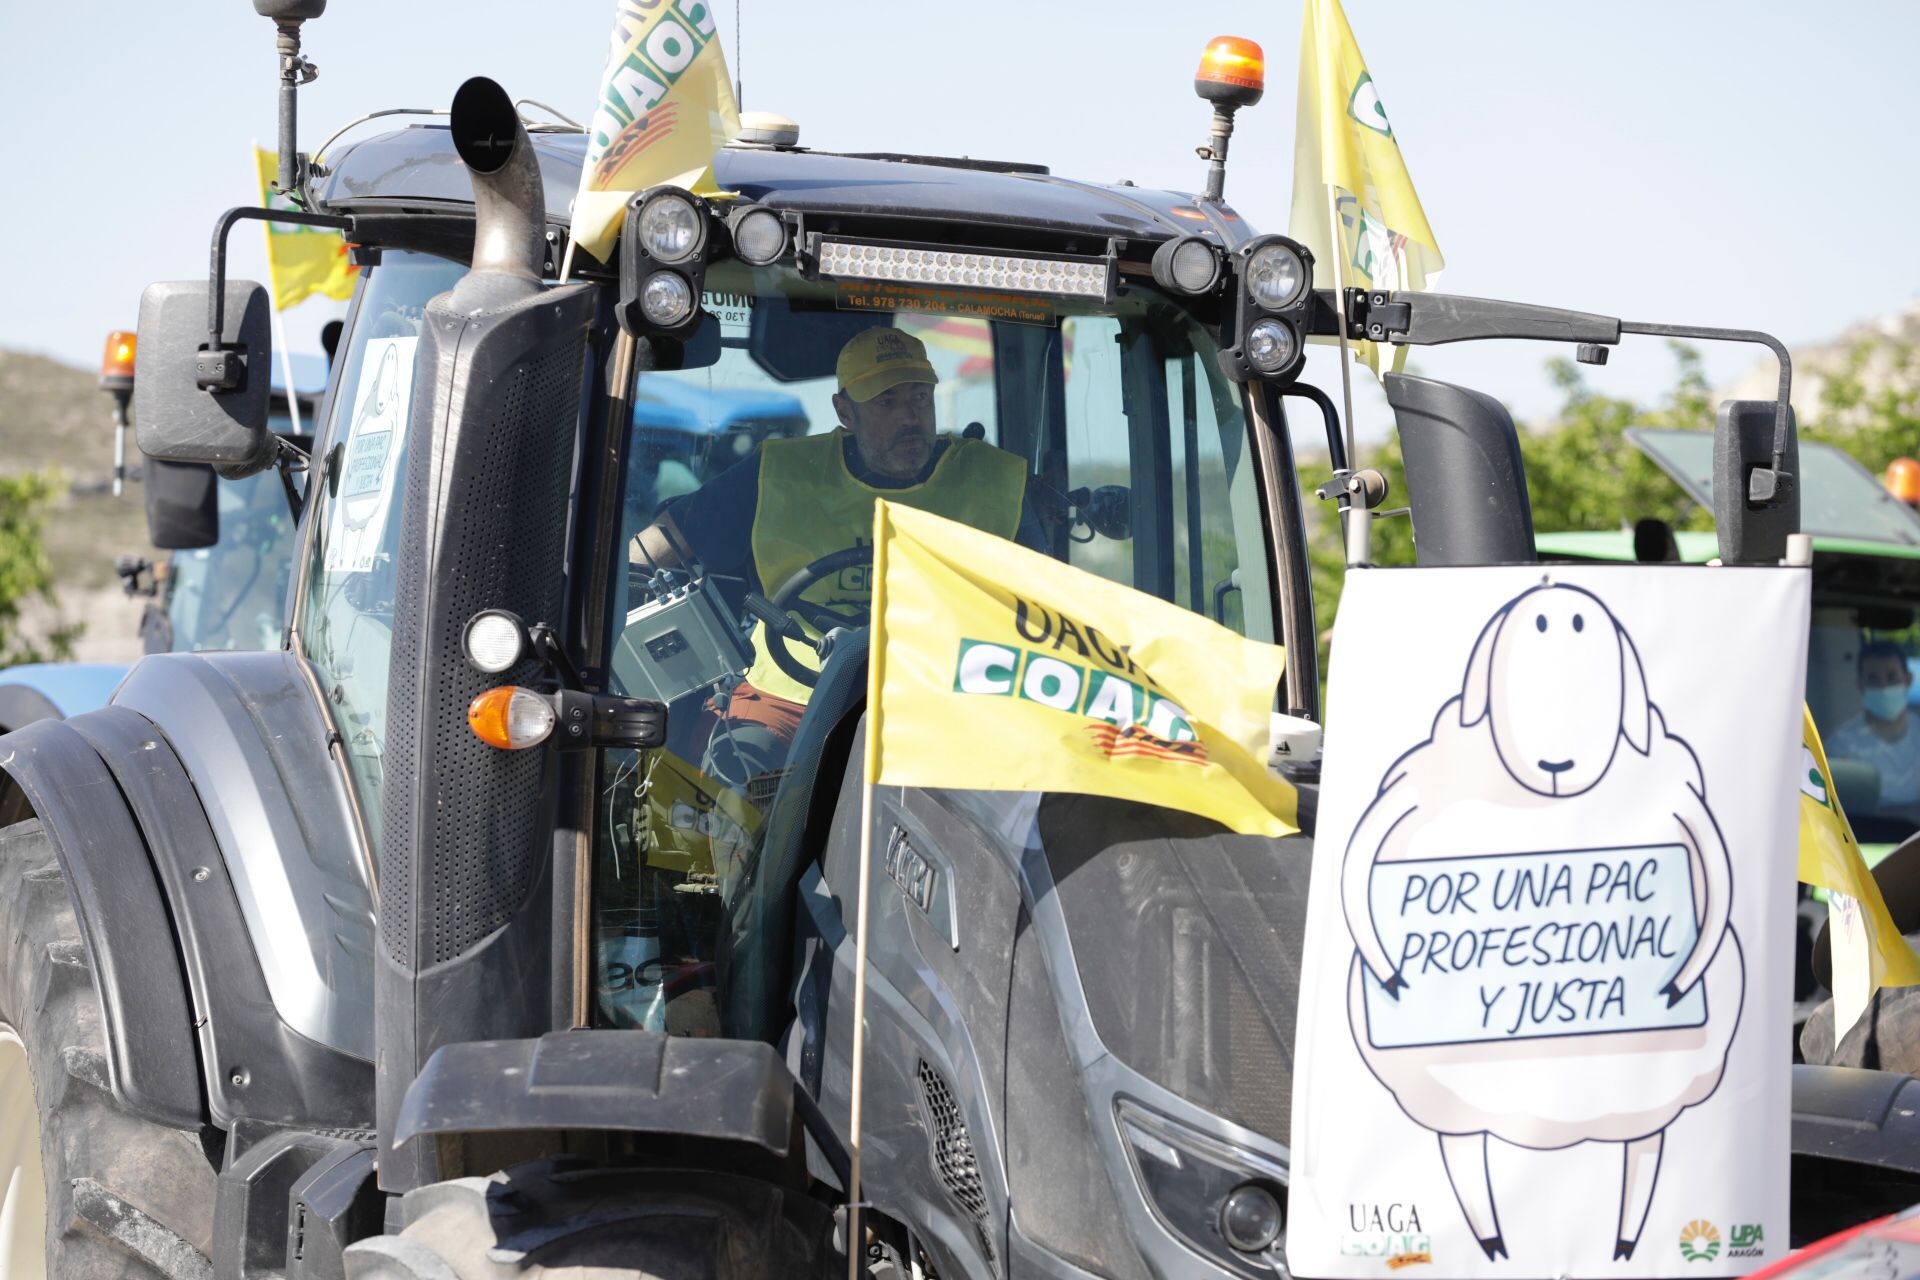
(509, 205)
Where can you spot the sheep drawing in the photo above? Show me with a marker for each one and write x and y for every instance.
(1552, 744)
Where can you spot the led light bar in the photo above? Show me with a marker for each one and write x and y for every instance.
(922, 264)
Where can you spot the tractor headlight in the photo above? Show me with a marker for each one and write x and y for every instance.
(664, 227)
(1274, 304)
(759, 237)
(670, 228)
(1187, 265)
(1271, 345)
(494, 640)
(1227, 1203)
(666, 299)
(1276, 276)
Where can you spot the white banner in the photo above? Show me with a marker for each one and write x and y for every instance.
(1544, 1008)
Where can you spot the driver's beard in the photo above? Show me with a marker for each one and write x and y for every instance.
(903, 456)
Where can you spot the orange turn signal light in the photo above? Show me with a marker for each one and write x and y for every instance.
(1903, 480)
(116, 363)
(1232, 71)
(510, 717)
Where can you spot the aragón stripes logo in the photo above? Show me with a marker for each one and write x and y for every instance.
(1699, 1241)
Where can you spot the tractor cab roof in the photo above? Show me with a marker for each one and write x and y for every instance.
(416, 171)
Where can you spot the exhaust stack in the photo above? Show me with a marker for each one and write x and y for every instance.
(509, 204)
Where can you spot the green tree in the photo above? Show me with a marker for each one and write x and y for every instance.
(1870, 405)
(25, 572)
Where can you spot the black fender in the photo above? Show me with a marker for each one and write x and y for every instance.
(153, 1063)
(22, 704)
(193, 1036)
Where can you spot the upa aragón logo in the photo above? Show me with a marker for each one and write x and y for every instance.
(1699, 1241)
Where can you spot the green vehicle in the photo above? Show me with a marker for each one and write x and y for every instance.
(1866, 589)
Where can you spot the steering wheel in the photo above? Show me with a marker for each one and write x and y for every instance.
(789, 605)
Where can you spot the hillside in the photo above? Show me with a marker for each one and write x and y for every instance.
(53, 415)
(1815, 363)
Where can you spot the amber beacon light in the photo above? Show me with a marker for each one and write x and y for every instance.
(116, 363)
(1232, 75)
(1232, 70)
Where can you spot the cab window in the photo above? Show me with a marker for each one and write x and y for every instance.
(1863, 687)
(1101, 435)
(345, 622)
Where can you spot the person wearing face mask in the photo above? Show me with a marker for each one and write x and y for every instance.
(795, 500)
(1886, 733)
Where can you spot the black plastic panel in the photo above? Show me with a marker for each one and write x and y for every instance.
(152, 1061)
(635, 1081)
(465, 920)
(1466, 482)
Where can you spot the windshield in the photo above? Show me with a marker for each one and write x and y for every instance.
(1838, 497)
(1863, 687)
(345, 623)
(1102, 435)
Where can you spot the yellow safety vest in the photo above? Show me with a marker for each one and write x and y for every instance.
(811, 506)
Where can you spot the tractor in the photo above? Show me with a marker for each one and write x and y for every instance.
(464, 935)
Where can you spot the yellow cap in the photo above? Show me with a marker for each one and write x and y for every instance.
(879, 358)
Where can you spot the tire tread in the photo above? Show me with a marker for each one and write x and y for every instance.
(127, 1199)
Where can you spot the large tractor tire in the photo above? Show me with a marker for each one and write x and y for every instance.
(566, 1220)
(87, 1191)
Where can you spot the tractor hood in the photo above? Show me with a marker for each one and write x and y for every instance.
(1187, 939)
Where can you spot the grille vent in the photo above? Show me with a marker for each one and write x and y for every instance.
(953, 1157)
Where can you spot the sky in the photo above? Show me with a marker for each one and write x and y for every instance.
(1745, 165)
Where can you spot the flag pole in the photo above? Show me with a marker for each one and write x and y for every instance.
(869, 774)
(286, 368)
(854, 1229)
(1359, 517)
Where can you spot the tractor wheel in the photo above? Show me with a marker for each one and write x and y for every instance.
(563, 1218)
(87, 1191)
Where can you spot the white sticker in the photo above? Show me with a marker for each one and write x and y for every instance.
(357, 517)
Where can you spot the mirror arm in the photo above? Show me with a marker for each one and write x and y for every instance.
(223, 369)
(1410, 318)
(290, 457)
(1764, 487)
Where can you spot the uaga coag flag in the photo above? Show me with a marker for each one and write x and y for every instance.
(998, 668)
(301, 261)
(1830, 859)
(665, 106)
(1344, 141)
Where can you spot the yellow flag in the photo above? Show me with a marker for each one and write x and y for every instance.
(1830, 859)
(1344, 142)
(301, 261)
(665, 106)
(997, 668)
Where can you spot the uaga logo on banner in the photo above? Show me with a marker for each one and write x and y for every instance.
(1543, 990)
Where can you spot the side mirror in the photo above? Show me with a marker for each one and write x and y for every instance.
(1751, 533)
(1466, 484)
(183, 507)
(179, 422)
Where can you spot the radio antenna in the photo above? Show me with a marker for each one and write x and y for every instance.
(737, 22)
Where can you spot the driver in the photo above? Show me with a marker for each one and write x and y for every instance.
(1885, 733)
(797, 500)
